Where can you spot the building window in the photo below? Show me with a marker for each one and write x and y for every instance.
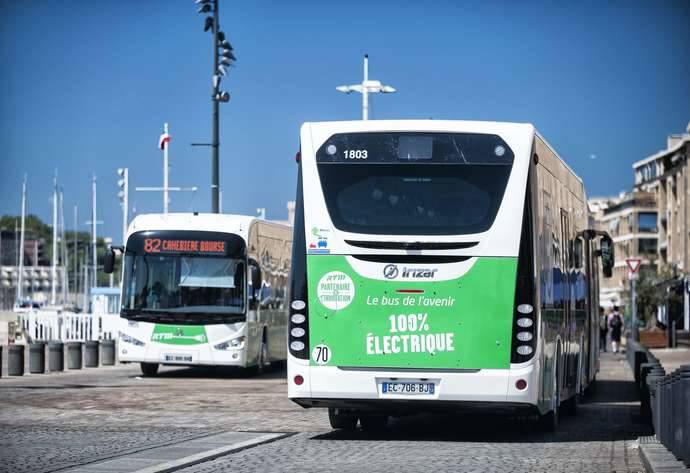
(646, 222)
(647, 246)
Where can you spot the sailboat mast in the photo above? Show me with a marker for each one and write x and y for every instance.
(20, 279)
(65, 279)
(53, 272)
(93, 234)
(76, 255)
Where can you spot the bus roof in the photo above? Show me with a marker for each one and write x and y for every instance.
(210, 222)
(468, 126)
(424, 125)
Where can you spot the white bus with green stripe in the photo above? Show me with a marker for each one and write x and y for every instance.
(204, 289)
(440, 265)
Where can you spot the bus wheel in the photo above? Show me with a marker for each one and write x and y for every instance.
(264, 359)
(549, 421)
(374, 423)
(149, 369)
(342, 419)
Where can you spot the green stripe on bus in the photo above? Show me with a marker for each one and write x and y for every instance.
(179, 334)
(464, 323)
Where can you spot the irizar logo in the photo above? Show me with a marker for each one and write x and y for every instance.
(391, 271)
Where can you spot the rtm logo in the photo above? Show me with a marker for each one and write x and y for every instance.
(391, 271)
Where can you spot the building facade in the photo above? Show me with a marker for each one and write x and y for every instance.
(666, 175)
(631, 220)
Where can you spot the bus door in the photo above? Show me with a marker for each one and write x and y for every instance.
(566, 255)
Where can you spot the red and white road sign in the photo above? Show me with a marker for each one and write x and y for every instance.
(633, 264)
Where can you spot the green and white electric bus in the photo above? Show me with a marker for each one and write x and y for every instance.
(440, 264)
(204, 289)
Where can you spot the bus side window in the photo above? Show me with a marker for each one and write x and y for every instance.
(254, 285)
(578, 253)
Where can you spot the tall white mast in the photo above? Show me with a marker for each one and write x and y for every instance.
(93, 234)
(164, 143)
(53, 271)
(20, 279)
(365, 88)
(63, 252)
(76, 255)
(166, 199)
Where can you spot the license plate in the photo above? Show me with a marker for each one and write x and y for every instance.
(408, 388)
(178, 358)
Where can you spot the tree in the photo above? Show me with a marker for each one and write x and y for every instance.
(651, 289)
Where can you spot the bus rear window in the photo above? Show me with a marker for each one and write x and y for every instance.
(414, 184)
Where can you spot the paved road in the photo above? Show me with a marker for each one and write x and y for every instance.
(52, 422)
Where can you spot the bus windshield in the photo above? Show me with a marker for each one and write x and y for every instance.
(188, 276)
(414, 183)
(184, 284)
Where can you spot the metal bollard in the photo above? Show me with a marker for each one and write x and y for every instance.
(15, 360)
(640, 357)
(56, 356)
(108, 352)
(645, 408)
(74, 355)
(91, 354)
(653, 379)
(667, 411)
(677, 428)
(0, 361)
(684, 388)
(37, 358)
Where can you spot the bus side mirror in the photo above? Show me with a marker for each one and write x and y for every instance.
(607, 257)
(109, 261)
(256, 277)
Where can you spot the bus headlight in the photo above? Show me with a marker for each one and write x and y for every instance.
(298, 318)
(131, 340)
(524, 322)
(234, 344)
(297, 346)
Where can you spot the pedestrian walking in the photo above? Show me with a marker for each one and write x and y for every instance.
(603, 329)
(616, 327)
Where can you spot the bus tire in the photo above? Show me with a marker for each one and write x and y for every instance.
(342, 419)
(149, 369)
(571, 404)
(374, 423)
(264, 358)
(549, 422)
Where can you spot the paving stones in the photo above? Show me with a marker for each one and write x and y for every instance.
(56, 421)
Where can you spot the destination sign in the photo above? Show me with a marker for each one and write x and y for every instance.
(162, 245)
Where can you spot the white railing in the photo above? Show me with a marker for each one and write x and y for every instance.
(47, 325)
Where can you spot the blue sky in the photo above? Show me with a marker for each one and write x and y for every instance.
(87, 85)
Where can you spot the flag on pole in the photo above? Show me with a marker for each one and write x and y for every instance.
(164, 140)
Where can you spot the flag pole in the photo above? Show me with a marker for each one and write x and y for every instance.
(165, 170)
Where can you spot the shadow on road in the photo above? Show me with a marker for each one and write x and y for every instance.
(276, 371)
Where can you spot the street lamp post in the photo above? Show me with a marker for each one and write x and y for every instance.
(221, 61)
(365, 88)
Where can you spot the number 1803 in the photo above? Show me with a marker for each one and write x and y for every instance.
(355, 154)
